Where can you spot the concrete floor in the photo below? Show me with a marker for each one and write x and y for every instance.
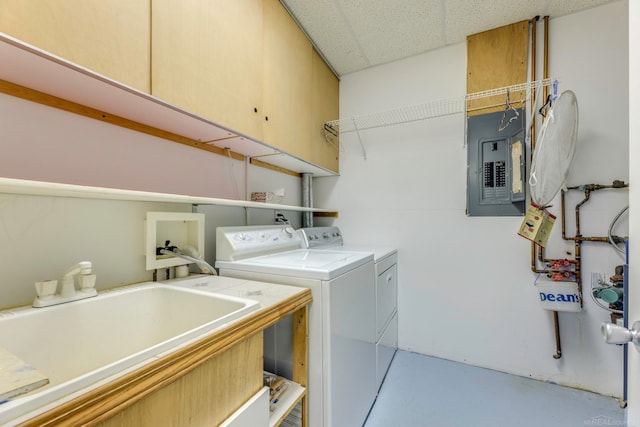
(426, 391)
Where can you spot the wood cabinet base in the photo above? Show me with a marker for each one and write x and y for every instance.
(197, 399)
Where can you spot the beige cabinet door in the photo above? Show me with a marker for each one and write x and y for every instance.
(110, 37)
(206, 58)
(287, 63)
(325, 106)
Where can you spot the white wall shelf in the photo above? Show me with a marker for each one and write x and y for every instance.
(41, 188)
(33, 68)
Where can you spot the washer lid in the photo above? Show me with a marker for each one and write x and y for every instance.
(303, 263)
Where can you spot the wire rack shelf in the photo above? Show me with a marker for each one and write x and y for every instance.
(429, 110)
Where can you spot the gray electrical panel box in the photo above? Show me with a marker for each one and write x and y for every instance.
(496, 164)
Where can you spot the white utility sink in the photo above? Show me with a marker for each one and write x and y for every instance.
(82, 342)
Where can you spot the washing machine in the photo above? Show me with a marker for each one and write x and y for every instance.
(386, 285)
(342, 333)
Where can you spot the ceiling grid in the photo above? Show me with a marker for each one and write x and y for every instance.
(356, 34)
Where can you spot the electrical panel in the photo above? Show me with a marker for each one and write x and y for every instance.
(496, 164)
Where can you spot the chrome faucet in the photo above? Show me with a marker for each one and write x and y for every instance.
(193, 256)
(81, 273)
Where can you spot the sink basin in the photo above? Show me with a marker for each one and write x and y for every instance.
(79, 343)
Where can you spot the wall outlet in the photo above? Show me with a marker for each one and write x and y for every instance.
(280, 218)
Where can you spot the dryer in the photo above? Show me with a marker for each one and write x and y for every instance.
(342, 334)
(386, 272)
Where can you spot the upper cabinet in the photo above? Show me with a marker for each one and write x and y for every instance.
(111, 37)
(244, 65)
(287, 66)
(207, 58)
(325, 92)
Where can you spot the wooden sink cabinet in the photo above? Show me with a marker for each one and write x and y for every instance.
(200, 384)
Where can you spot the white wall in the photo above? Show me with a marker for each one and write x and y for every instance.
(45, 144)
(465, 287)
(43, 236)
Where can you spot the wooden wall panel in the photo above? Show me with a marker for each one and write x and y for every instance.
(495, 59)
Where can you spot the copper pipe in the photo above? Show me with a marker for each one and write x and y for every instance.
(545, 61)
(587, 195)
(578, 268)
(541, 257)
(562, 215)
(577, 239)
(534, 26)
(587, 189)
(534, 268)
(578, 242)
(556, 322)
(592, 187)
(591, 239)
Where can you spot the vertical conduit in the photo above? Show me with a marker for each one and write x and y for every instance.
(534, 60)
(307, 199)
(534, 36)
(556, 321)
(545, 63)
(545, 66)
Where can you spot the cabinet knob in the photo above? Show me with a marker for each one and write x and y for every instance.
(266, 118)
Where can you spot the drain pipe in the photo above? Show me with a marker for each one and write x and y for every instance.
(307, 199)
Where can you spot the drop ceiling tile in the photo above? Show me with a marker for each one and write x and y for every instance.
(356, 34)
(560, 8)
(325, 25)
(387, 30)
(466, 17)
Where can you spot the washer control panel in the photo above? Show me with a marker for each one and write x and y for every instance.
(315, 237)
(235, 243)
